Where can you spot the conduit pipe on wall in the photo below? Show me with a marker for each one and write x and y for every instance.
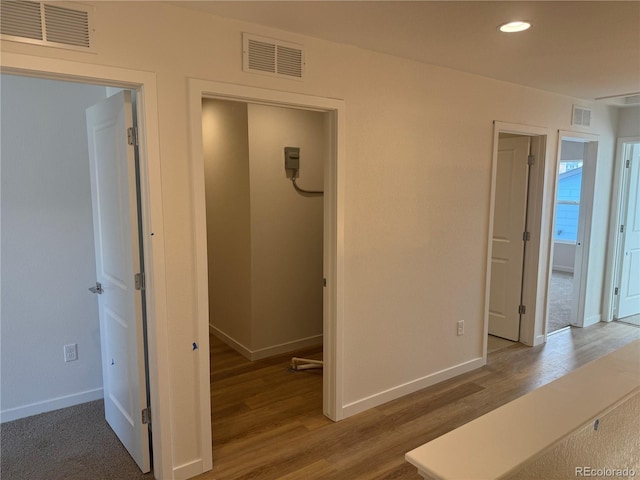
(292, 162)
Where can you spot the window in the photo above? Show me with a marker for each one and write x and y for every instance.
(568, 201)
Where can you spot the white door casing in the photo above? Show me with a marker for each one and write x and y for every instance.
(334, 189)
(628, 299)
(116, 237)
(507, 238)
(581, 260)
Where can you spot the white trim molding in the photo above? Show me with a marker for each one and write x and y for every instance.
(412, 386)
(583, 244)
(333, 228)
(51, 404)
(613, 243)
(266, 352)
(537, 258)
(152, 221)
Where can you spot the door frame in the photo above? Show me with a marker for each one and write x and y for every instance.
(334, 198)
(613, 250)
(512, 188)
(144, 83)
(536, 262)
(581, 267)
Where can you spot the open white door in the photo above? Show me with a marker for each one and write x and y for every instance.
(115, 223)
(507, 241)
(629, 289)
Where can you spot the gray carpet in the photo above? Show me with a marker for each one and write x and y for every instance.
(73, 443)
(560, 295)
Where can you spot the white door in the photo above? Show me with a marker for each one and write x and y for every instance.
(115, 224)
(507, 244)
(629, 289)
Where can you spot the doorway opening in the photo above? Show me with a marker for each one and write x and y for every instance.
(575, 180)
(330, 113)
(264, 180)
(264, 237)
(624, 297)
(49, 214)
(565, 234)
(515, 261)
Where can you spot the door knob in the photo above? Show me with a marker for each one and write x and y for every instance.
(97, 289)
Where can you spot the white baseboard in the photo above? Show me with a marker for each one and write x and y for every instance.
(267, 351)
(539, 340)
(188, 470)
(237, 346)
(592, 320)
(286, 347)
(410, 387)
(49, 405)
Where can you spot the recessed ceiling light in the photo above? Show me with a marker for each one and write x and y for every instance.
(512, 27)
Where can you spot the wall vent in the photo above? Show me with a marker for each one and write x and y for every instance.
(581, 116)
(272, 57)
(62, 25)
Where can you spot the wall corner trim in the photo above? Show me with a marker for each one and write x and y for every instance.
(189, 470)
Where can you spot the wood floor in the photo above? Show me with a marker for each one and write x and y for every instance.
(268, 422)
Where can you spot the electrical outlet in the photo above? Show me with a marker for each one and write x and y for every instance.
(71, 352)
(460, 327)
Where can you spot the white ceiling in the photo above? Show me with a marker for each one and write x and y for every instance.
(585, 49)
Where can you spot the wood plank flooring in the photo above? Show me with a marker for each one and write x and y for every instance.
(268, 422)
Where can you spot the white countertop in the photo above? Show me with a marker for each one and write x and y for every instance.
(499, 442)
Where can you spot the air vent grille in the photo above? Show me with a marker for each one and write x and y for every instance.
(21, 19)
(272, 57)
(261, 56)
(67, 26)
(581, 116)
(289, 61)
(61, 24)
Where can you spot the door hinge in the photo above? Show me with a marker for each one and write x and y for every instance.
(139, 281)
(132, 136)
(531, 160)
(615, 291)
(526, 236)
(522, 309)
(621, 228)
(146, 416)
(627, 163)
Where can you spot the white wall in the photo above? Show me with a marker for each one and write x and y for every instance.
(265, 240)
(629, 121)
(48, 259)
(226, 155)
(418, 154)
(564, 256)
(286, 228)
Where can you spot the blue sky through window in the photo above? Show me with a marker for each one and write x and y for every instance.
(568, 201)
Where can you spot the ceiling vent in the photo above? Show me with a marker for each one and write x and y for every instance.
(62, 25)
(581, 116)
(272, 57)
